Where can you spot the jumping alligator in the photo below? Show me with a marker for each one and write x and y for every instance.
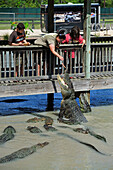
(69, 107)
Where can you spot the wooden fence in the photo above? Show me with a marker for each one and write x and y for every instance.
(37, 61)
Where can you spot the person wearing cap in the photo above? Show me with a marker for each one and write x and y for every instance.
(51, 40)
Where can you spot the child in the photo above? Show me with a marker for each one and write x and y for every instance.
(17, 38)
(74, 37)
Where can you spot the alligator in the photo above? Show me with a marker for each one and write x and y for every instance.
(48, 125)
(70, 112)
(22, 153)
(35, 120)
(7, 135)
(34, 129)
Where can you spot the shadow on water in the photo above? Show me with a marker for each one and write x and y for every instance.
(28, 104)
(39, 103)
(13, 100)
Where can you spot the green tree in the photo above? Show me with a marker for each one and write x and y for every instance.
(37, 3)
(20, 3)
(108, 3)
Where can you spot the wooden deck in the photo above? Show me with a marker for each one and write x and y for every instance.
(101, 69)
(34, 85)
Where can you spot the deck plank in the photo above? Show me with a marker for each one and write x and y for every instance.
(21, 87)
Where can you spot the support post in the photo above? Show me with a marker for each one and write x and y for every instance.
(50, 99)
(87, 24)
(50, 16)
(50, 96)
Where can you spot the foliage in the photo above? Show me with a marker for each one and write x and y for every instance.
(14, 25)
(108, 3)
(6, 36)
(20, 3)
(36, 4)
(27, 27)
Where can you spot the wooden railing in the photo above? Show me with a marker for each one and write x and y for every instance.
(101, 57)
(94, 39)
(39, 62)
(102, 39)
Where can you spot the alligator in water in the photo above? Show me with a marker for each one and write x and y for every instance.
(69, 107)
(22, 153)
(7, 135)
(34, 129)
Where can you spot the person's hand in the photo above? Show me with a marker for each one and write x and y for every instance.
(61, 58)
(63, 65)
(27, 43)
(83, 43)
(20, 44)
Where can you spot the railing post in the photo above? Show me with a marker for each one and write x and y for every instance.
(87, 6)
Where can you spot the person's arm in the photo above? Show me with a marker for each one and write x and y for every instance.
(12, 38)
(81, 40)
(83, 43)
(16, 44)
(67, 39)
(52, 48)
(25, 41)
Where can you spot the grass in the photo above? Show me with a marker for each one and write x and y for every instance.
(107, 21)
(4, 26)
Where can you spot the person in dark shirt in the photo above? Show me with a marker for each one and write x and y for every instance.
(17, 38)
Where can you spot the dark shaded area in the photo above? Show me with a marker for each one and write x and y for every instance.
(21, 110)
(13, 100)
(5, 42)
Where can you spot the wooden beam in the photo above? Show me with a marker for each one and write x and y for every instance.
(50, 16)
(44, 87)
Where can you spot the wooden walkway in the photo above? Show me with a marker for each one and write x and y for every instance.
(34, 85)
(101, 69)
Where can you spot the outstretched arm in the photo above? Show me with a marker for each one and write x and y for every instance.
(83, 43)
(52, 48)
